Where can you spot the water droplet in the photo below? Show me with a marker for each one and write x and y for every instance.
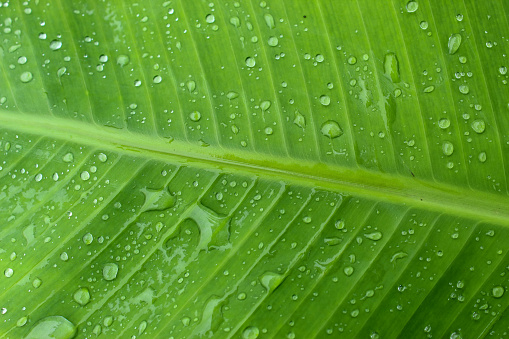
(250, 62)
(464, 89)
(299, 119)
(122, 60)
(352, 60)
(191, 85)
(69, 157)
(319, 58)
(103, 58)
(424, 25)
(21, 321)
(102, 157)
(339, 224)
(454, 43)
(502, 70)
(137, 83)
(478, 126)
(306, 219)
(38, 177)
(235, 21)
(157, 200)
(55, 45)
(8, 272)
(88, 238)
(85, 175)
(64, 256)
(412, 6)
(325, 100)
(108, 321)
(482, 157)
(331, 129)
(429, 89)
(37, 283)
(273, 41)
(459, 17)
(497, 291)
(110, 271)
(348, 271)
(54, 326)
(195, 116)
(391, 67)
(82, 296)
(333, 241)
(97, 330)
(375, 236)
(210, 18)
(265, 105)
(269, 20)
(399, 255)
(271, 280)
(463, 59)
(157, 79)
(447, 148)
(26, 77)
(142, 327)
(251, 332)
(444, 123)
(232, 95)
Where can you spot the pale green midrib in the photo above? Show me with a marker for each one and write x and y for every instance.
(481, 206)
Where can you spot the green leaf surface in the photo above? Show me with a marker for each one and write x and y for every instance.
(244, 169)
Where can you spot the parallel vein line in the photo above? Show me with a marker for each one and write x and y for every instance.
(343, 91)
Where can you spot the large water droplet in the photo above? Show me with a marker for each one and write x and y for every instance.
(195, 116)
(271, 280)
(454, 43)
(110, 271)
(391, 67)
(82, 296)
(478, 126)
(374, 235)
(157, 200)
(250, 62)
(412, 6)
(251, 332)
(69, 157)
(299, 119)
(54, 326)
(444, 123)
(122, 60)
(497, 291)
(325, 100)
(331, 129)
(26, 77)
(55, 45)
(269, 20)
(273, 41)
(447, 148)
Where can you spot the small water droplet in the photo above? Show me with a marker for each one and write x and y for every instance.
(348, 271)
(352, 60)
(424, 25)
(157, 79)
(191, 85)
(265, 105)
(429, 89)
(8, 272)
(482, 157)
(299, 119)
(232, 95)
(235, 21)
(102, 157)
(68, 157)
(88, 238)
(271, 280)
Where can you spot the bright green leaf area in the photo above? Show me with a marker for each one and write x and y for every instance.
(244, 169)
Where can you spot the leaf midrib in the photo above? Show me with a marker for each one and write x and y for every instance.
(478, 205)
